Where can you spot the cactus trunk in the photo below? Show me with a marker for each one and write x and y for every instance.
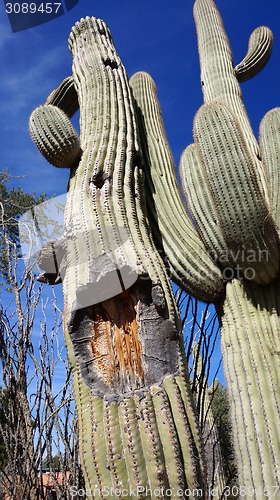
(251, 353)
(138, 429)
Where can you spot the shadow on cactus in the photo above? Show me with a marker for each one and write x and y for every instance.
(138, 425)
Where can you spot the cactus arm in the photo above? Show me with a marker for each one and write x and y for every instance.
(258, 54)
(242, 213)
(251, 350)
(65, 97)
(219, 82)
(270, 154)
(200, 202)
(189, 263)
(55, 137)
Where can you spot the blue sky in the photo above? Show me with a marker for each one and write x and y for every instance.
(157, 36)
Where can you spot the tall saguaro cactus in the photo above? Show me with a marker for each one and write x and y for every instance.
(137, 425)
(231, 188)
(126, 228)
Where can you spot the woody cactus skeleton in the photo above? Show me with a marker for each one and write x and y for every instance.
(125, 217)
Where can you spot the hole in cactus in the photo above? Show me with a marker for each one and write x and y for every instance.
(137, 158)
(111, 63)
(99, 179)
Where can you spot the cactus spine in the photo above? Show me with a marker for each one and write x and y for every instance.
(136, 417)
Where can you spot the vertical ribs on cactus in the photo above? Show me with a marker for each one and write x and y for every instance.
(137, 422)
(190, 265)
(126, 228)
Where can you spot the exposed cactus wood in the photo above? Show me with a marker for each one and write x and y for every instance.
(114, 342)
(65, 97)
(251, 353)
(55, 136)
(189, 263)
(258, 54)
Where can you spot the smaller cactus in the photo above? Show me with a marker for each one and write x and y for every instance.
(55, 136)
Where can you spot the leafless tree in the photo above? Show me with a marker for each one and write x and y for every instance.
(38, 420)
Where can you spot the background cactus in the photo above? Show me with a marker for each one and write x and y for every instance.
(124, 217)
(229, 173)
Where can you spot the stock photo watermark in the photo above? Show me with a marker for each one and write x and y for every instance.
(240, 263)
(26, 15)
(46, 239)
(160, 492)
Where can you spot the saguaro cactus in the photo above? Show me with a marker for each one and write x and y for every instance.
(126, 226)
(232, 192)
(138, 429)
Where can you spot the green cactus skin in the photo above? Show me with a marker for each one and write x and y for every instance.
(189, 263)
(199, 201)
(269, 139)
(137, 423)
(55, 136)
(258, 54)
(251, 350)
(238, 184)
(65, 97)
(242, 215)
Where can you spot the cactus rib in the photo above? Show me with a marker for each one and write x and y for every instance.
(270, 154)
(200, 202)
